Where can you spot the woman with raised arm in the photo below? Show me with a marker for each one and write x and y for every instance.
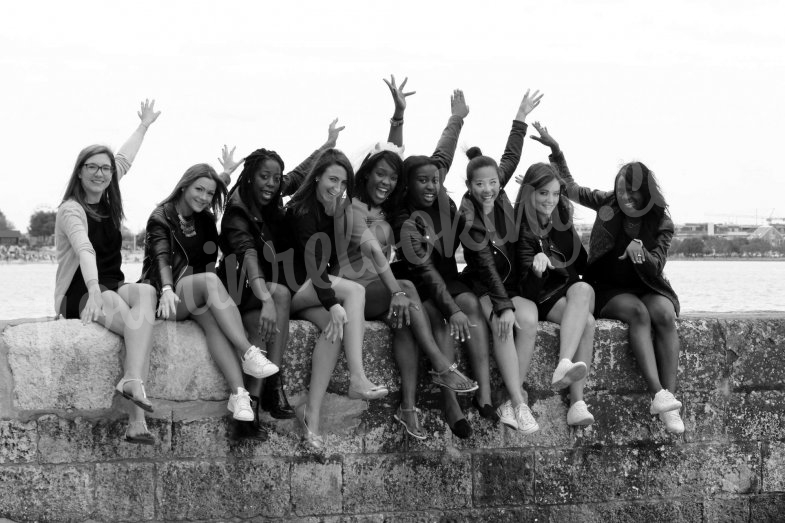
(181, 248)
(377, 194)
(428, 226)
(627, 253)
(90, 284)
(551, 261)
(490, 257)
(253, 243)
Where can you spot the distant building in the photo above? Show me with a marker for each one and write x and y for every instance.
(10, 237)
(767, 233)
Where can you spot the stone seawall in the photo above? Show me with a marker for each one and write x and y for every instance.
(63, 458)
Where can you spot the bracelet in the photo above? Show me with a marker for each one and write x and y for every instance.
(166, 288)
(398, 293)
(396, 123)
(636, 240)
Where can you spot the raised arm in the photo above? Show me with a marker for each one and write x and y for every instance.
(291, 181)
(585, 196)
(512, 151)
(127, 152)
(399, 99)
(448, 142)
(228, 163)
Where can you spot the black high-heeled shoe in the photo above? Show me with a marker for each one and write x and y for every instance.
(274, 398)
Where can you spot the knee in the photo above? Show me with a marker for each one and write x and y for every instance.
(281, 297)
(354, 291)
(527, 319)
(582, 291)
(147, 294)
(663, 317)
(639, 315)
(469, 304)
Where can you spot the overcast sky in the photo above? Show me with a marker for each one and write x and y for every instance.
(695, 90)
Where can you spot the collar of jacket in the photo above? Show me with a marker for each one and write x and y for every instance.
(502, 203)
(236, 203)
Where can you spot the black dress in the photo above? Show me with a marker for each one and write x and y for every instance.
(107, 241)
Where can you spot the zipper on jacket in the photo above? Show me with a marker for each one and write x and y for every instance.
(187, 263)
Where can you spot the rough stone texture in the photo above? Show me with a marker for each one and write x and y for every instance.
(726, 510)
(18, 441)
(380, 483)
(757, 416)
(614, 368)
(703, 366)
(180, 365)
(774, 467)
(661, 511)
(704, 470)
(124, 491)
(51, 493)
(503, 478)
(62, 365)
(756, 355)
(64, 440)
(704, 415)
(316, 488)
(207, 490)
(767, 509)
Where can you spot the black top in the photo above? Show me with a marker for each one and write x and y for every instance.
(609, 269)
(197, 247)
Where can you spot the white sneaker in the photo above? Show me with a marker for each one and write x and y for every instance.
(506, 415)
(526, 422)
(673, 422)
(567, 373)
(664, 402)
(240, 405)
(257, 365)
(579, 414)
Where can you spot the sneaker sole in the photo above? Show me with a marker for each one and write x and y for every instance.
(530, 430)
(241, 417)
(576, 373)
(263, 374)
(581, 422)
(655, 412)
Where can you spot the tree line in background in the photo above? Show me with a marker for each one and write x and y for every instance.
(42, 225)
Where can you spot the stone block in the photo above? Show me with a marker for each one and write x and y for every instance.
(756, 353)
(774, 467)
(124, 491)
(705, 416)
(207, 437)
(46, 493)
(18, 441)
(63, 365)
(614, 367)
(757, 416)
(726, 510)
(217, 490)
(527, 514)
(181, 367)
(544, 360)
(621, 420)
(632, 512)
(704, 470)
(553, 476)
(374, 483)
(702, 358)
(503, 478)
(64, 440)
(767, 508)
(316, 488)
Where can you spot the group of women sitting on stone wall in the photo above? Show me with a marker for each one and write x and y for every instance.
(326, 256)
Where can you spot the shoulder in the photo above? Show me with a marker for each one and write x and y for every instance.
(70, 209)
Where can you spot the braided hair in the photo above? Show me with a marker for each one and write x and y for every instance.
(244, 184)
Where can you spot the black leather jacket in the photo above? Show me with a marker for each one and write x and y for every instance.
(165, 259)
(490, 257)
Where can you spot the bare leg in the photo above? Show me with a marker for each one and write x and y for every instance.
(663, 318)
(506, 358)
(477, 345)
(220, 349)
(451, 408)
(130, 312)
(206, 289)
(525, 338)
(632, 311)
(324, 359)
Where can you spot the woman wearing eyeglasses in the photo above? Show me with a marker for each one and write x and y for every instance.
(89, 284)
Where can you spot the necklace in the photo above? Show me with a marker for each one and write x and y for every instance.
(187, 225)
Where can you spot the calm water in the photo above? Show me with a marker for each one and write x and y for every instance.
(26, 291)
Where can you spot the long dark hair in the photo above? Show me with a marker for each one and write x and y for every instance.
(639, 177)
(111, 196)
(537, 176)
(366, 168)
(193, 173)
(244, 184)
(304, 200)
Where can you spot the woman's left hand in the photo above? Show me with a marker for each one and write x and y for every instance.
(227, 160)
(399, 311)
(268, 321)
(635, 253)
(147, 113)
(332, 133)
(528, 104)
(502, 324)
(167, 304)
(399, 97)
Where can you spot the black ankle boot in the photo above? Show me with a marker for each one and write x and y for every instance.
(249, 429)
(274, 398)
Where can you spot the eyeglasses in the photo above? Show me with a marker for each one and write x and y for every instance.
(93, 168)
